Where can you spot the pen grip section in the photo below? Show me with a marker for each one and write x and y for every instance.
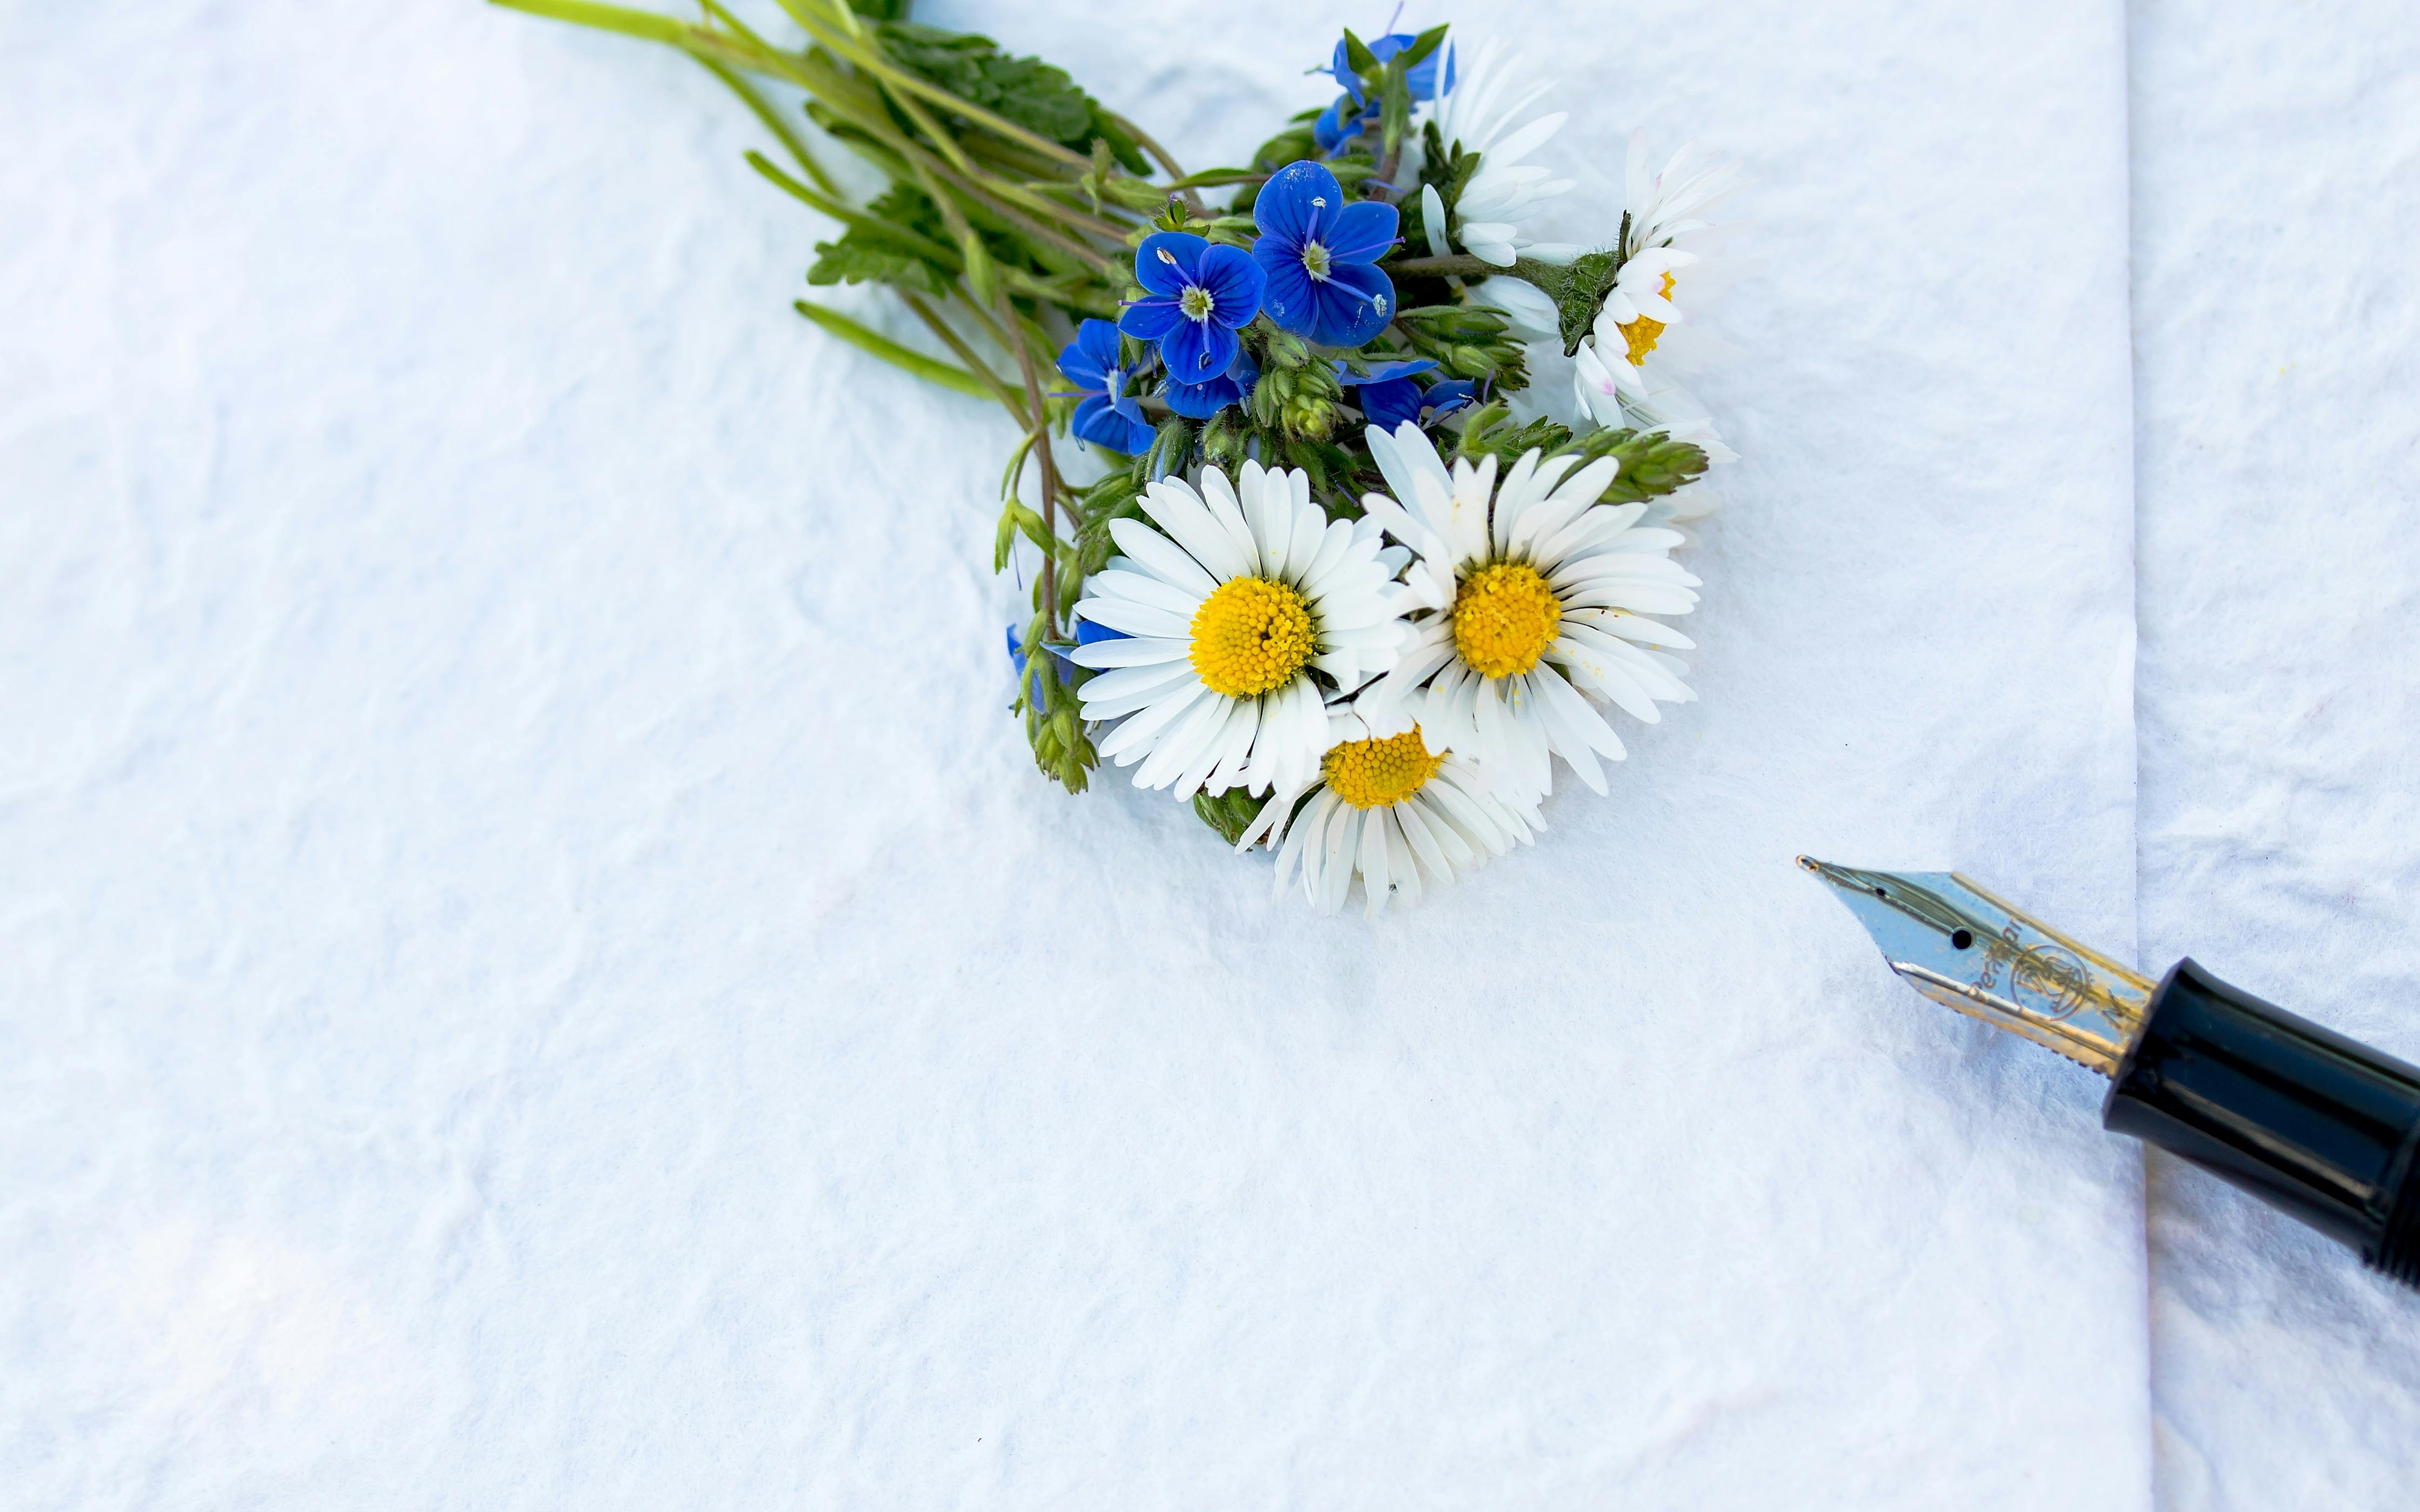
(2314, 1124)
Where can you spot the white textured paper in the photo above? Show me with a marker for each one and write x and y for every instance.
(2275, 150)
(534, 972)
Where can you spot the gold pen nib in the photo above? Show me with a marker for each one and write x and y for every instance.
(1966, 949)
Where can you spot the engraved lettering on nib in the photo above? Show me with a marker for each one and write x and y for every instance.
(2050, 981)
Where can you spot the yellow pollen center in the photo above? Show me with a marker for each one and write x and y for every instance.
(1504, 618)
(1375, 774)
(1250, 636)
(1643, 333)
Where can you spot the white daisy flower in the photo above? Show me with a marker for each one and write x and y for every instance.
(1616, 391)
(1386, 810)
(1672, 204)
(1618, 376)
(1638, 307)
(1477, 115)
(1538, 594)
(1233, 613)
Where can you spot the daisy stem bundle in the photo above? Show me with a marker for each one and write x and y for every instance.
(1003, 230)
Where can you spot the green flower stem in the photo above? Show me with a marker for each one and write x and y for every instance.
(1456, 265)
(966, 354)
(942, 141)
(872, 225)
(856, 50)
(1092, 299)
(1048, 582)
(772, 121)
(904, 161)
(644, 24)
(878, 345)
(1007, 156)
(1161, 156)
(925, 165)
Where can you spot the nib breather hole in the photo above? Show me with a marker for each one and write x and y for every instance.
(1881, 893)
(1961, 939)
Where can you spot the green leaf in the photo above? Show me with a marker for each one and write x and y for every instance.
(1231, 813)
(857, 258)
(881, 10)
(644, 24)
(1579, 291)
(1035, 94)
(1358, 57)
(1424, 44)
(875, 344)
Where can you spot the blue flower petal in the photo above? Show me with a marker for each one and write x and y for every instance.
(1098, 421)
(1197, 350)
(1297, 198)
(1445, 398)
(1091, 359)
(1081, 370)
(1099, 340)
(1362, 232)
(1234, 281)
(1381, 372)
(1125, 404)
(1289, 296)
(1167, 262)
(1355, 304)
(1200, 401)
(1389, 403)
(1421, 77)
(1338, 124)
(1088, 633)
(1150, 319)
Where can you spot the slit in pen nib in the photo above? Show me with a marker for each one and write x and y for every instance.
(1966, 949)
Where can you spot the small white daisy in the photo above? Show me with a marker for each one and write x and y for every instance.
(1638, 308)
(1385, 809)
(1617, 374)
(1616, 391)
(1537, 594)
(1673, 204)
(1477, 114)
(1233, 611)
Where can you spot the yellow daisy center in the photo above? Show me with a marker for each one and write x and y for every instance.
(1504, 618)
(1376, 774)
(1250, 636)
(1643, 333)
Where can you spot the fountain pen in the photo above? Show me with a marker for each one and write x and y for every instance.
(2314, 1124)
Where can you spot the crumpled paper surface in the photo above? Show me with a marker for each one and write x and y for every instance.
(535, 973)
(2275, 150)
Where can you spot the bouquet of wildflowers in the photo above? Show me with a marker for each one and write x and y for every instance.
(1298, 540)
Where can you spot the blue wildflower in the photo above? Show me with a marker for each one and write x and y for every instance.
(1316, 249)
(1200, 401)
(1109, 418)
(1445, 398)
(1340, 123)
(1389, 396)
(1197, 295)
(1423, 74)
(1086, 634)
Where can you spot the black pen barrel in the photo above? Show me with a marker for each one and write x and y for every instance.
(2314, 1124)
